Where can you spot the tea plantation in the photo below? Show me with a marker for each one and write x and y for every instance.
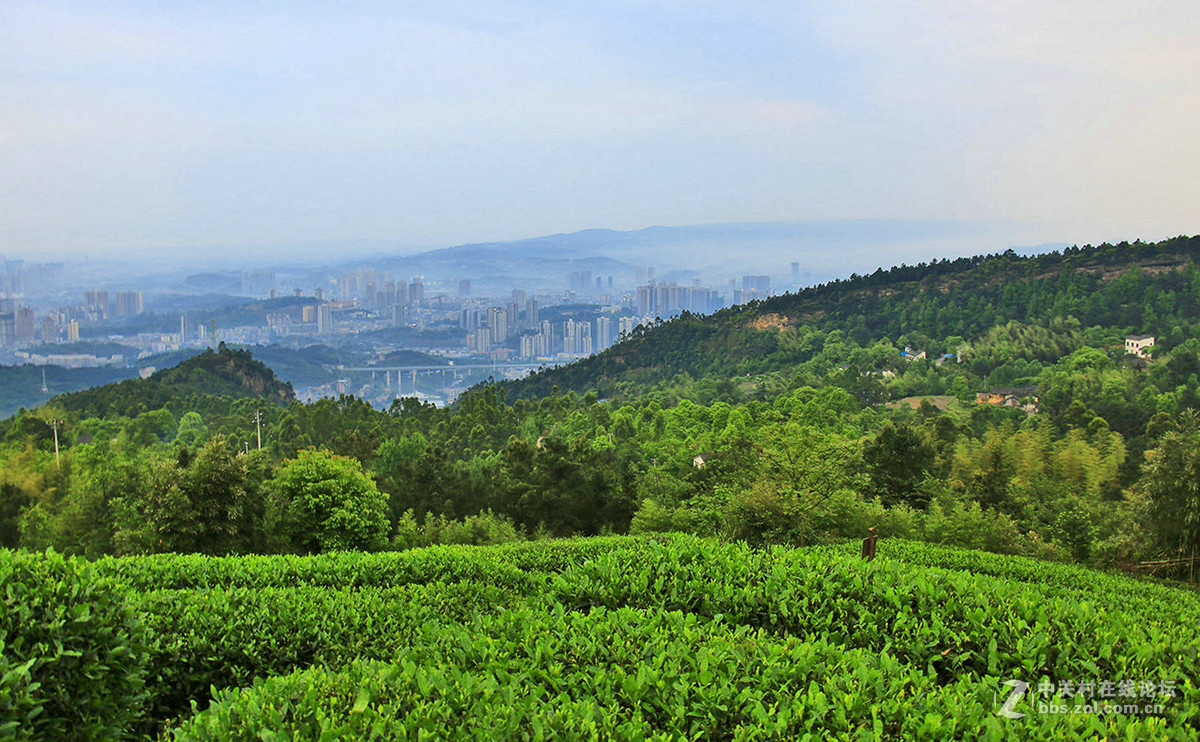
(605, 638)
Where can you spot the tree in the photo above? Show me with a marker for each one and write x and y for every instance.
(329, 503)
(897, 460)
(1172, 485)
(199, 503)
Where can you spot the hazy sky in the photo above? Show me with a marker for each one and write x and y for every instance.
(132, 125)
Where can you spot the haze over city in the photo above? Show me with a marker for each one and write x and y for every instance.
(145, 130)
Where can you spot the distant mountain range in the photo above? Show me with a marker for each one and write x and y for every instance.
(712, 253)
(824, 249)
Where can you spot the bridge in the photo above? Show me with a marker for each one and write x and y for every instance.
(444, 367)
(454, 373)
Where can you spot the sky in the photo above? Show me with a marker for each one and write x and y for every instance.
(168, 127)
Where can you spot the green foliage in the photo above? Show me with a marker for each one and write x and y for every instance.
(688, 639)
(484, 529)
(1173, 488)
(72, 652)
(196, 503)
(898, 459)
(227, 636)
(225, 372)
(330, 504)
(1030, 309)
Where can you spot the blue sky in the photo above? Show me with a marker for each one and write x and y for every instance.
(127, 127)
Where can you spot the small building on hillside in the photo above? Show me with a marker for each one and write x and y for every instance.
(1138, 345)
(700, 459)
(1010, 396)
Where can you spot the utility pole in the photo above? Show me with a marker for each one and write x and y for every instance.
(54, 424)
(258, 426)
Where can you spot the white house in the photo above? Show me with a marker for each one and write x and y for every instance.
(1137, 345)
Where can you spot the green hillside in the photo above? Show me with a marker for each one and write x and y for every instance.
(1088, 295)
(224, 372)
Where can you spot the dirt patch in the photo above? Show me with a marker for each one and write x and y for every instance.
(940, 401)
(770, 321)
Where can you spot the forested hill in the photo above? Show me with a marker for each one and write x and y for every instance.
(220, 373)
(939, 307)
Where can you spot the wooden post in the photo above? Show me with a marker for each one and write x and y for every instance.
(868, 545)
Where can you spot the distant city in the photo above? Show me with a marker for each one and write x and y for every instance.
(455, 336)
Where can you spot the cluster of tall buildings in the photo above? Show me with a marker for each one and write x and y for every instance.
(18, 278)
(668, 299)
(20, 325)
(493, 326)
(572, 337)
(379, 290)
(100, 306)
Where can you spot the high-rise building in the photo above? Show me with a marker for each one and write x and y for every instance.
(416, 292)
(756, 284)
(668, 299)
(324, 319)
(795, 271)
(482, 340)
(469, 319)
(73, 331)
(511, 313)
(580, 281)
(128, 303)
(49, 330)
(25, 324)
(8, 328)
(577, 337)
(464, 287)
(534, 346)
(96, 302)
(604, 333)
(189, 329)
(498, 324)
(399, 315)
(531, 313)
(258, 283)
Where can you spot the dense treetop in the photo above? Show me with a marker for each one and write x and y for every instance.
(223, 372)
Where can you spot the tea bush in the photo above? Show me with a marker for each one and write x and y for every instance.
(72, 651)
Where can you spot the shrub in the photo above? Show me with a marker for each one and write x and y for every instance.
(72, 653)
(764, 515)
(331, 504)
(652, 517)
(483, 529)
(968, 525)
